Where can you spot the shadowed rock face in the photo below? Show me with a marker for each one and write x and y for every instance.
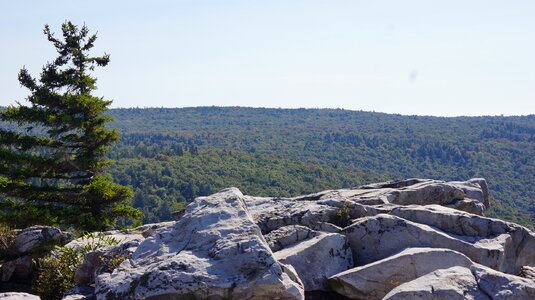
(408, 238)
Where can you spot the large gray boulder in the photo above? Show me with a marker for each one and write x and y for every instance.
(471, 196)
(18, 296)
(519, 246)
(215, 251)
(456, 283)
(273, 213)
(318, 258)
(503, 286)
(288, 235)
(375, 280)
(374, 238)
(313, 210)
(102, 260)
(31, 238)
(476, 282)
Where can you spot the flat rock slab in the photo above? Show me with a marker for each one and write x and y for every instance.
(456, 283)
(471, 195)
(31, 238)
(318, 258)
(215, 251)
(517, 243)
(378, 237)
(288, 235)
(18, 296)
(500, 286)
(476, 282)
(375, 280)
(453, 221)
(273, 213)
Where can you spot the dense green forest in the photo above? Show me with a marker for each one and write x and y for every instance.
(169, 156)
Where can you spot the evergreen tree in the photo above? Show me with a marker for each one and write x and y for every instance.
(50, 165)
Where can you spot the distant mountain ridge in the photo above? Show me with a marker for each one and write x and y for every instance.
(374, 145)
(171, 155)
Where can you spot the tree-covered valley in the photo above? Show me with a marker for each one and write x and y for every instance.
(170, 156)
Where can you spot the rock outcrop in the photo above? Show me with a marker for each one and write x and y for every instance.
(405, 239)
(214, 251)
(375, 280)
(28, 239)
(16, 255)
(318, 258)
(452, 283)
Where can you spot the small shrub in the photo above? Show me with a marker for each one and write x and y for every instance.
(113, 262)
(55, 274)
(343, 213)
(96, 241)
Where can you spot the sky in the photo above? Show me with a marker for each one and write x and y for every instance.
(441, 58)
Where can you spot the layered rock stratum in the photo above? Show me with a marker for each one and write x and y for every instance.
(405, 239)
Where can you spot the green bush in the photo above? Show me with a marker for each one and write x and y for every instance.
(55, 274)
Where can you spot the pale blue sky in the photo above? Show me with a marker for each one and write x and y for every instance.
(443, 58)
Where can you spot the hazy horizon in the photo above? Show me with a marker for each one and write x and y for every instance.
(415, 57)
(317, 108)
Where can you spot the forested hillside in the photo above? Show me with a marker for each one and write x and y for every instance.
(170, 156)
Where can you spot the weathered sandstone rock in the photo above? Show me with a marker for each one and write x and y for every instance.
(214, 251)
(374, 238)
(503, 286)
(30, 238)
(518, 249)
(470, 196)
(375, 280)
(456, 283)
(99, 261)
(273, 213)
(18, 296)
(80, 293)
(287, 235)
(413, 238)
(468, 205)
(451, 220)
(318, 258)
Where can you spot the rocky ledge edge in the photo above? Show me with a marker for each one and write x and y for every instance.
(405, 239)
